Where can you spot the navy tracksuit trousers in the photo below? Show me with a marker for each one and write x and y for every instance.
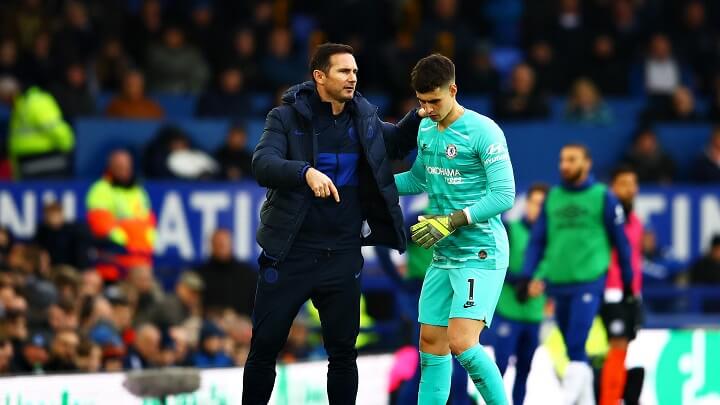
(331, 279)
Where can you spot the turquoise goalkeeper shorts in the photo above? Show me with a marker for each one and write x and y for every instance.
(464, 292)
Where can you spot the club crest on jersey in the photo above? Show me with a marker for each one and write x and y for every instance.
(451, 151)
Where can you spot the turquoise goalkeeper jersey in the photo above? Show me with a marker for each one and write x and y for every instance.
(466, 166)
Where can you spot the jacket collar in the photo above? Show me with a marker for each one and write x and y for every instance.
(298, 96)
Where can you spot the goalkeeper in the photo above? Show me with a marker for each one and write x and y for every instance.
(464, 166)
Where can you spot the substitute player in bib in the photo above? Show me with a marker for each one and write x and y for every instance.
(464, 166)
(570, 247)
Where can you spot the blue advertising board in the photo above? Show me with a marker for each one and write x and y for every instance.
(684, 218)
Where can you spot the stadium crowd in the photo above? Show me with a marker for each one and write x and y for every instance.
(60, 311)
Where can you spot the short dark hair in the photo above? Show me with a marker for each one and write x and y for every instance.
(620, 170)
(582, 147)
(432, 72)
(320, 59)
(538, 187)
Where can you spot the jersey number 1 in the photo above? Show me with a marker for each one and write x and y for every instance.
(471, 281)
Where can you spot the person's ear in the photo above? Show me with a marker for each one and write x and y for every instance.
(453, 89)
(319, 76)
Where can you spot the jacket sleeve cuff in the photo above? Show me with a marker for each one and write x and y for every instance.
(303, 170)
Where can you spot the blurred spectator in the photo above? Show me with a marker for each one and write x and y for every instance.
(9, 60)
(6, 356)
(242, 51)
(662, 70)
(707, 166)
(14, 321)
(111, 65)
(119, 212)
(73, 94)
(204, 29)
(646, 157)
(660, 268)
(76, 39)
(174, 66)
(482, 76)
(67, 243)
(239, 330)
(521, 101)
(143, 292)
(89, 357)
(627, 29)
(39, 65)
(122, 313)
(145, 351)
(132, 101)
(40, 142)
(91, 284)
(29, 19)
(210, 352)
(706, 270)
(67, 281)
(229, 283)
(281, 64)
(569, 38)
(606, 68)
(176, 308)
(541, 58)
(233, 156)
(63, 351)
(297, 346)
(681, 108)
(62, 316)
(444, 31)
(6, 241)
(228, 99)
(171, 155)
(96, 321)
(697, 41)
(585, 104)
(32, 271)
(34, 355)
(168, 139)
(113, 359)
(144, 29)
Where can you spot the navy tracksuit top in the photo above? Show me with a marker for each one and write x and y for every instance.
(328, 224)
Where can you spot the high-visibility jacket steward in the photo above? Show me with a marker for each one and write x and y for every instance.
(124, 216)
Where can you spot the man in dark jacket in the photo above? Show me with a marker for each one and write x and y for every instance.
(325, 158)
(229, 283)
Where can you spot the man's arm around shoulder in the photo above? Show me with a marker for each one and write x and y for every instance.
(401, 138)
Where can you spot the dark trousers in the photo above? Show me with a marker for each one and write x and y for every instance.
(574, 314)
(520, 339)
(331, 279)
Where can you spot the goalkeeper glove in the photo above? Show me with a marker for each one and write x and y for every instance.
(432, 229)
